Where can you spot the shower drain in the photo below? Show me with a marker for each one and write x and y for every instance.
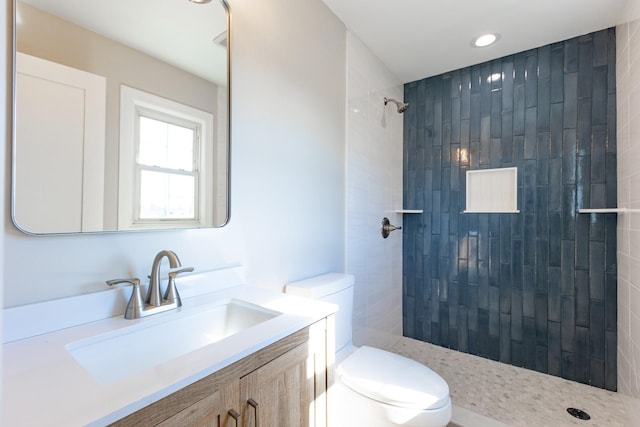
(578, 413)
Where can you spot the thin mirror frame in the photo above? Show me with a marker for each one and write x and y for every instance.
(227, 218)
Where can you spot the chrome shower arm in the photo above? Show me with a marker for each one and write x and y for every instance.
(401, 106)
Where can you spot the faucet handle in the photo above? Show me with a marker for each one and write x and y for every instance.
(171, 295)
(133, 281)
(175, 271)
(136, 305)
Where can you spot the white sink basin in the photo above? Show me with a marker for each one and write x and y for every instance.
(116, 355)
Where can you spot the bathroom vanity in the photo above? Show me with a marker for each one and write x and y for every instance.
(268, 361)
(283, 384)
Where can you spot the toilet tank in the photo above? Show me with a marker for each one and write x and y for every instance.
(335, 288)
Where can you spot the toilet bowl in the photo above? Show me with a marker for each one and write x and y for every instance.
(375, 388)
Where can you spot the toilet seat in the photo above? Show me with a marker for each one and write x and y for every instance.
(393, 379)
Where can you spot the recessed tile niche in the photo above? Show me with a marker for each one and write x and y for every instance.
(492, 191)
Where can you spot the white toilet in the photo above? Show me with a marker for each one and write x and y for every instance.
(375, 388)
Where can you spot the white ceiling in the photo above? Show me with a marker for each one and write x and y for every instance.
(422, 38)
(175, 31)
(414, 38)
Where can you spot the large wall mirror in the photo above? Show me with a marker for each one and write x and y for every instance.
(121, 115)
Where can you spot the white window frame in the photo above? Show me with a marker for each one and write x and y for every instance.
(133, 103)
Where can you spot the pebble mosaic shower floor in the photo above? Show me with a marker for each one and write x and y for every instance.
(502, 394)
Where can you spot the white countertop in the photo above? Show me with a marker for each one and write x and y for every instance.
(43, 385)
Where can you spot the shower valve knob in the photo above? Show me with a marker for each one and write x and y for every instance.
(387, 228)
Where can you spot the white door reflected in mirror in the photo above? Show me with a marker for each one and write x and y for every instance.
(60, 117)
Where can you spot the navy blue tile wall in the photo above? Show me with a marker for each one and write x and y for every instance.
(535, 289)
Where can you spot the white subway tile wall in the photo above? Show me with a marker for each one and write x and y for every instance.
(628, 252)
(374, 190)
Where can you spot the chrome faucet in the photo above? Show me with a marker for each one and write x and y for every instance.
(154, 297)
(154, 303)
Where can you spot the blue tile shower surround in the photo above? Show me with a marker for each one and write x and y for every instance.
(535, 289)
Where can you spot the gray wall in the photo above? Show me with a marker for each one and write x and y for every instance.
(535, 289)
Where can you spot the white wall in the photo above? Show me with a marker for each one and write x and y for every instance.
(628, 100)
(5, 132)
(374, 187)
(288, 171)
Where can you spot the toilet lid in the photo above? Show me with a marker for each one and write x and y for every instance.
(393, 379)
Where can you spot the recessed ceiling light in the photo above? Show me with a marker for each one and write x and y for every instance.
(485, 40)
(200, 1)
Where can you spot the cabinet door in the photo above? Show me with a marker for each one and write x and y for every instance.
(280, 393)
(215, 410)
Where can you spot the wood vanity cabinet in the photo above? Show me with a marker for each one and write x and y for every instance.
(278, 394)
(283, 385)
(214, 410)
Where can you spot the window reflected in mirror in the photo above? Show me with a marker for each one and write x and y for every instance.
(167, 159)
(167, 151)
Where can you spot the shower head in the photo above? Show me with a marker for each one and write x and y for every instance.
(402, 106)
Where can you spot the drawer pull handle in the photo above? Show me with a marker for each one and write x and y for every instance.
(254, 404)
(235, 415)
